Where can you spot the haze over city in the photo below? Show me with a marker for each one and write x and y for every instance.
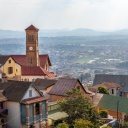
(102, 15)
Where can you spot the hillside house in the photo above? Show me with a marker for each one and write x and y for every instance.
(58, 91)
(27, 107)
(120, 80)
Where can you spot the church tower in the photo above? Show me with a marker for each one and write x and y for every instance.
(32, 51)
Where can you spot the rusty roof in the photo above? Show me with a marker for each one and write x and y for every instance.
(43, 84)
(63, 85)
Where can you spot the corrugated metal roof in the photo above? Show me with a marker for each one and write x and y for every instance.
(43, 84)
(63, 85)
(110, 102)
(118, 79)
(21, 60)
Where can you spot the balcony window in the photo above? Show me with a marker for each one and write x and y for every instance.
(37, 107)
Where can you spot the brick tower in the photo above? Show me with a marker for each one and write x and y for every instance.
(32, 51)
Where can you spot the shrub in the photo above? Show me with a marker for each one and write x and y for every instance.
(103, 113)
(62, 125)
(82, 124)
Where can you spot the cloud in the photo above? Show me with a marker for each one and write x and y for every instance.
(95, 14)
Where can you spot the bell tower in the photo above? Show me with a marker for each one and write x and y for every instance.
(32, 51)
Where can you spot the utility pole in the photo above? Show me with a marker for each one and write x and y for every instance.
(117, 114)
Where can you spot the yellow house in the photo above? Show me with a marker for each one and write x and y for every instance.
(9, 66)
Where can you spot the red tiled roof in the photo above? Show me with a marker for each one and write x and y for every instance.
(35, 71)
(32, 27)
(21, 60)
(33, 100)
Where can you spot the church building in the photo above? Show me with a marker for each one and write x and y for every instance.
(30, 66)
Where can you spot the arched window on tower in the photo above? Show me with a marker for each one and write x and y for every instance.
(31, 60)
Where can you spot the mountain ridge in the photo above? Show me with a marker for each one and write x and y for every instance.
(61, 32)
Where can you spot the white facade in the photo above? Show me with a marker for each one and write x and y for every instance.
(31, 78)
(14, 115)
(113, 91)
(34, 93)
(14, 109)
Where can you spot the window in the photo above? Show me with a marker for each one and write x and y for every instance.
(31, 38)
(1, 105)
(16, 70)
(30, 93)
(112, 91)
(9, 61)
(31, 60)
(37, 107)
(10, 70)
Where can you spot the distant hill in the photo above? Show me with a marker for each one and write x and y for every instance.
(56, 32)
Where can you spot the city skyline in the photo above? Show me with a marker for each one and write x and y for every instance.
(102, 15)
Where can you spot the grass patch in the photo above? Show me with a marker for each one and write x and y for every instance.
(84, 59)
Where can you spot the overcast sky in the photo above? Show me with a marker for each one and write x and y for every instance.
(103, 15)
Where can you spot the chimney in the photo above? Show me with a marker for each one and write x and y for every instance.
(4, 78)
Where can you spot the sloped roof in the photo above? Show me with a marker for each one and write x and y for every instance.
(21, 60)
(15, 90)
(96, 98)
(2, 97)
(63, 85)
(43, 84)
(118, 79)
(32, 27)
(33, 100)
(110, 102)
(3, 59)
(35, 71)
(107, 85)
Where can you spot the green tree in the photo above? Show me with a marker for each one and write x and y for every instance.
(103, 90)
(62, 125)
(83, 124)
(78, 106)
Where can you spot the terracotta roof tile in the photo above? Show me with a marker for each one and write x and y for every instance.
(32, 27)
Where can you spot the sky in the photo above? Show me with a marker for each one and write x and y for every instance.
(101, 15)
